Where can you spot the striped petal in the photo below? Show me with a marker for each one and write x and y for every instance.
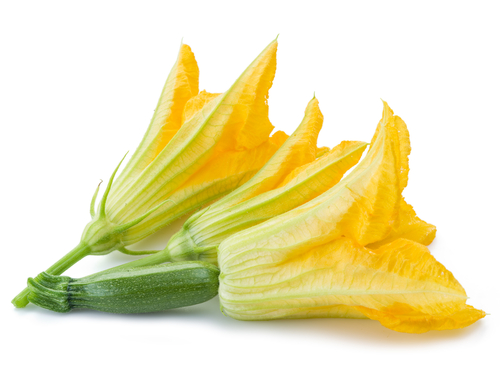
(400, 284)
(218, 175)
(180, 87)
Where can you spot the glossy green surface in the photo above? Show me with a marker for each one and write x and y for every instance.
(134, 290)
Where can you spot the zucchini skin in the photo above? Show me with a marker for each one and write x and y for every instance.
(128, 291)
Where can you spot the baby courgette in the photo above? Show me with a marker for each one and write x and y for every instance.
(136, 290)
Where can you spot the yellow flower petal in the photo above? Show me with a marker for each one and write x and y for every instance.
(403, 318)
(338, 160)
(298, 150)
(322, 151)
(409, 226)
(400, 139)
(196, 103)
(181, 85)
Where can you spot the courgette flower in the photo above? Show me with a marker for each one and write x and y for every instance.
(347, 253)
(198, 147)
(293, 176)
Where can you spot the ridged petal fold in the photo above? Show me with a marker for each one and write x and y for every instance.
(409, 226)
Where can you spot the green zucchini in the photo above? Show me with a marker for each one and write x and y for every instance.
(134, 290)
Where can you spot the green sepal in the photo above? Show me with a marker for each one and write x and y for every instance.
(92, 202)
(102, 204)
(101, 236)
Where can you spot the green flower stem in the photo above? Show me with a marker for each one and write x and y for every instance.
(75, 255)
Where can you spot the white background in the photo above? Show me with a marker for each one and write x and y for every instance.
(80, 81)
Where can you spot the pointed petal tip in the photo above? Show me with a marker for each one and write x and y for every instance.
(386, 111)
(314, 100)
(384, 103)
